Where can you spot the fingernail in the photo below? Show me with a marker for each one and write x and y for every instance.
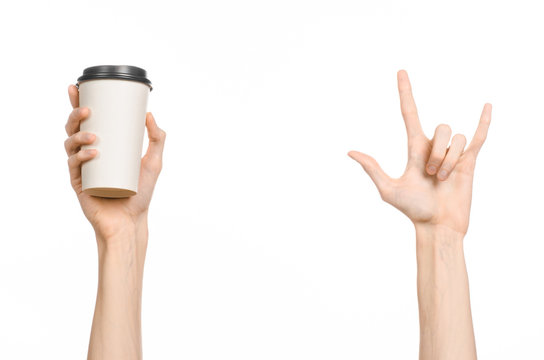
(89, 137)
(432, 168)
(90, 151)
(442, 174)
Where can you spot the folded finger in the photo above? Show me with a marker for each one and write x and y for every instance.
(458, 143)
(440, 143)
(76, 116)
(73, 143)
(75, 160)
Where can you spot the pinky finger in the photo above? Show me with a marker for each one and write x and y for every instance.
(75, 161)
(481, 131)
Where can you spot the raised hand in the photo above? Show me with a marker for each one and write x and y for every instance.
(436, 187)
(110, 216)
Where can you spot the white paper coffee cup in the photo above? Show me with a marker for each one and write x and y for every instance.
(117, 99)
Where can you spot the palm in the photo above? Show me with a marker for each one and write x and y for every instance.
(419, 194)
(424, 198)
(109, 215)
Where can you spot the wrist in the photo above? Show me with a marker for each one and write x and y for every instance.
(129, 240)
(115, 225)
(426, 231)
(436, 237)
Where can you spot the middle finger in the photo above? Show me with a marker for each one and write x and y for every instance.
(75, 118)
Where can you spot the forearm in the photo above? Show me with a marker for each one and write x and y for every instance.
(116, 329)
(445, 318)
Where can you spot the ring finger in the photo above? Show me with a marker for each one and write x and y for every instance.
(458, 143)
(73, 143)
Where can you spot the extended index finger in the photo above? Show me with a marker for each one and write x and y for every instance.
(408, 105)
(73, 93)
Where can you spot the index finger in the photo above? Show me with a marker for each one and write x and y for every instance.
(73, 93)
(481, 132)
(408, 105)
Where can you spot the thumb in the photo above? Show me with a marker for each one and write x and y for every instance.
(382, 181)
(156, 138)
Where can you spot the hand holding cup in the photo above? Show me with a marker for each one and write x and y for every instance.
(111, 216)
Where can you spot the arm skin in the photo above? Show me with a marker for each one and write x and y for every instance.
(121, 232)
(435, 192)
(445, 319)
(116, 329)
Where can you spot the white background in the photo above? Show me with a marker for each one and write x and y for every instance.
(266, 240)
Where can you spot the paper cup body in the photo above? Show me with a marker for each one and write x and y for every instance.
(117, 117)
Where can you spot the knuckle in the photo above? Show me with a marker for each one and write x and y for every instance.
(67, 144)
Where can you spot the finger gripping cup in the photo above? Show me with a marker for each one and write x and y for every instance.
(117, 99)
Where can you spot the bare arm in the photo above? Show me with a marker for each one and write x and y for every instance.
(116, 329)
(121, 232)
(435, 192)
(445, 319)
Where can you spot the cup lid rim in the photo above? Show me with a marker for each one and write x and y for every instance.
(121, 72)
